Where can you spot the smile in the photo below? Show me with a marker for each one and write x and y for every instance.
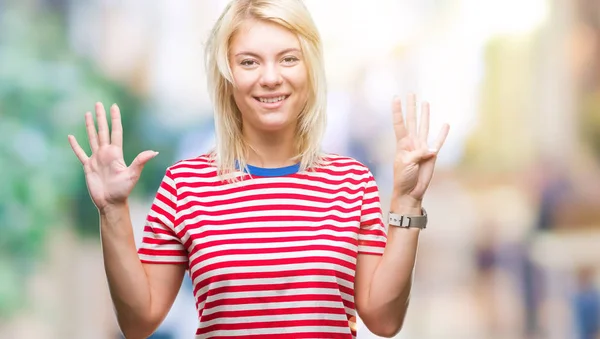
(272, 100)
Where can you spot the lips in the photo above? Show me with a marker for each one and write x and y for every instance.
(271, 99)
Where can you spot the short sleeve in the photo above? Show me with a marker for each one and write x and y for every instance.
(160, 242)
(372, 234)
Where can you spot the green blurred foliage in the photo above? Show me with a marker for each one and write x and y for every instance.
(44, 91)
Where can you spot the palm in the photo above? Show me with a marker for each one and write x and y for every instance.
(109, 179)
(107, 176)
(414, 162)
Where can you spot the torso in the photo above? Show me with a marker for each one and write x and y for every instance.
(273, 254)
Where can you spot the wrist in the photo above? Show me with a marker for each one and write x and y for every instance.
(115, 222)
(406, 205)
(113, 209)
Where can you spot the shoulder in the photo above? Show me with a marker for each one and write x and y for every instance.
(345, 169)
(343, 162)
(199, 162)
(202, 165)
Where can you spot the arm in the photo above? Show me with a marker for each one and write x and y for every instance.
(383, 284)
(142, 294)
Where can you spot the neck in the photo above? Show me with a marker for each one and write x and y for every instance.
(270, 150)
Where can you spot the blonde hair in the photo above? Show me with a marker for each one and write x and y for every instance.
(231, 148)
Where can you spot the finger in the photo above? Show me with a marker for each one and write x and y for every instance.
(439, 142)
(399, 128)
(116, 127)
(411, 115)
(424, 123)
(91, 131)
(140, 161)
(79, 152)
(103, 138)
(418, 155)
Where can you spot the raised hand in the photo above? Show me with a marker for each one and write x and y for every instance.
(109, 179)
(415, 160)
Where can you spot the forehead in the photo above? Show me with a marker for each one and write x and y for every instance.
(262, 37)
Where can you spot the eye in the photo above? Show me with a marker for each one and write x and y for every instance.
(290, 60)
(248, 62)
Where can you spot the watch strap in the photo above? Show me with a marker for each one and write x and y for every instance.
(406, 221)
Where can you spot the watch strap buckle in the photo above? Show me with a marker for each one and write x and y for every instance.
(405, 221)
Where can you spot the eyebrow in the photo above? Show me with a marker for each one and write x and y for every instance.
(287, 50)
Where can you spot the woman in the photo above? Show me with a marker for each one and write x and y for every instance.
(279, 238)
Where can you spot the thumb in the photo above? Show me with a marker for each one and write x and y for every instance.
(140, 161)
(419, 155)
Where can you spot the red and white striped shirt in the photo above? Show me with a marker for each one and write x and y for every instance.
(272, 255)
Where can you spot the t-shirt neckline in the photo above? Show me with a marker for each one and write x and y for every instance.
(272, 172)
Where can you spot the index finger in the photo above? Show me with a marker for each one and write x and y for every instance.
(439, 142)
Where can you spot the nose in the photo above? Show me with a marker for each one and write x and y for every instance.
(271, 76)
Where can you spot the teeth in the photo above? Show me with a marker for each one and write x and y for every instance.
(271, 100)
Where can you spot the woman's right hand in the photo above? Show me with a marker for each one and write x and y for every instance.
(109, 179)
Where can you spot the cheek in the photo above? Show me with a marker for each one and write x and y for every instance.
(299, 81)
(243, 83)
(238, 96)
(305, 85)
(304, 88)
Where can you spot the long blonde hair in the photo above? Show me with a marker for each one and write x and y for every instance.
(231, 149)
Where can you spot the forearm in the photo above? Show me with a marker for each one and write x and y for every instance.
(391, 283)
(127, 280)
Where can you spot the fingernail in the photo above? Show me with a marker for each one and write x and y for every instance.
(155, 153)
(433, 150)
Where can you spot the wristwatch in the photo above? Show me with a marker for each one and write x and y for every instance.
(405, 221)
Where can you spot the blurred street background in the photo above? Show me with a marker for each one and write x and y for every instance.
(513, 246)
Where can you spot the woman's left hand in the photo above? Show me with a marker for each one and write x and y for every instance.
(415, 160)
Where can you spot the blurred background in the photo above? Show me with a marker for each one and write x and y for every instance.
(513, 246)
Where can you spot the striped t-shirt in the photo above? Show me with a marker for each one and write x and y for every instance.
(272, 255)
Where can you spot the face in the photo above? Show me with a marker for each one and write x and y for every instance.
(270, 76)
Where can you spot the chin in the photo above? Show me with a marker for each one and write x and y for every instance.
(274, 122)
